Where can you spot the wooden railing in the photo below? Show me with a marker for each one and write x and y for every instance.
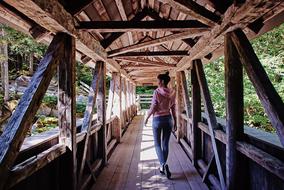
(42, 151)
(263, 153)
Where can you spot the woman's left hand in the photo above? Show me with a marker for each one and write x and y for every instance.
(146, 121)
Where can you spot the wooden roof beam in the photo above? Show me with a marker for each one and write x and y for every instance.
(114, 36)
(52, 16)
(130, 26)
(158, 41)
(123, 15)
(236, 16)
(143, 66)
(154, 54)
(146, 61)
(195, 10)
(75, 7)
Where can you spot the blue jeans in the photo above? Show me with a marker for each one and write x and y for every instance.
(162, 127)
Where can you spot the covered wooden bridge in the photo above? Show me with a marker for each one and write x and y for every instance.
(133, 41)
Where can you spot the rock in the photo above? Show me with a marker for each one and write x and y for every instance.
(44, 110)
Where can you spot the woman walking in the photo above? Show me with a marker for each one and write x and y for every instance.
(164, 120)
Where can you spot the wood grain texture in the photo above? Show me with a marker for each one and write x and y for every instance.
(88, 116)
(67, 102)
(234, 110)
(21, 120)
(211, 117)
(265, 90)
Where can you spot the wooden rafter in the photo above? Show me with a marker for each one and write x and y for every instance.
(159, 41)
(145, 61)
(143, 66)
(192, 8)
(154, 54)
(130, 26)
(58, 19)
(76, 7)
(242, 16)
(114, 36)
(123, 17)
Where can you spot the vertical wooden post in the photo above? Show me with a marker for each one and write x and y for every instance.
(211, 117)
(117, 108)
(196, 117)
(110, 98)
(67, 102)
(265, 90)
(101, 112)
(4, 67)
(178, 106)
(127, 100)
(123, 97)
(234, 109)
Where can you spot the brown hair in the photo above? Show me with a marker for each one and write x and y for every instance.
(165, 78)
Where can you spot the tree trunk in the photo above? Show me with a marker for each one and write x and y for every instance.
(31, 63)
(4, 67)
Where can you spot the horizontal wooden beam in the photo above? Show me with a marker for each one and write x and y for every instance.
(114, 36)
(192, 8)
(140, 66)
(154, 54)
(75, 7)
(130, 26)
(146, 61)
(158, 41)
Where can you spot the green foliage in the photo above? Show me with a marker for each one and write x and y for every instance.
(270, 50)
(1, 99)
(80, 109)
(45, 124)
(20, 43)
(50, 101)
(145, 89)
(84, 74)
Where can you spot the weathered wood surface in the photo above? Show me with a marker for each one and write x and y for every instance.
(209, 109)
(158, 41)
(263, 159)
(52, 16)
(101, 112)
(234, 110)
(195, 10)
(154, 54)
(236, 16)
(21, 120)
(67, 102)
(196, 117)
(139, 169)
(265, 90)
(117, 104)
(114, 36)
(179, 108)
(129, 26)
(145, 62)
(88, 116)
(24, 170)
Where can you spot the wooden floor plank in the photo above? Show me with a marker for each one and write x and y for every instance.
(134, 164)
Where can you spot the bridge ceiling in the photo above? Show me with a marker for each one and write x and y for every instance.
(166, 34)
